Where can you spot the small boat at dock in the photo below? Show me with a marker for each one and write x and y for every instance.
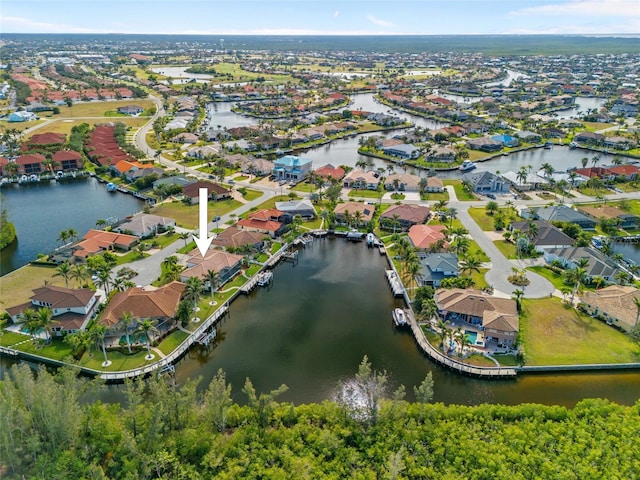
(111, 187)
(399, 317)
(467, 165)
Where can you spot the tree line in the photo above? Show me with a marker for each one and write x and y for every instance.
(49, 429)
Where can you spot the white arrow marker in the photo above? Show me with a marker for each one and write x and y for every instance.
(203, 242)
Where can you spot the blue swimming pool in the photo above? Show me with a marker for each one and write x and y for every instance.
(473, 336)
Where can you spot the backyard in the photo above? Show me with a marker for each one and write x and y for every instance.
(187, 215)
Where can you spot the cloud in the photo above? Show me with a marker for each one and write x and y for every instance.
(585, 8)
(26, 25)
(336, 14)
(601, 28)
(380, 23)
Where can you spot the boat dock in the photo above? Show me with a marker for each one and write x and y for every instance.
(440, 358)
(206, 338)
(265, 278)
(394, 283)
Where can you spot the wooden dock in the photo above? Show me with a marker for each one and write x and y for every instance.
(440, 358)
(394, 283)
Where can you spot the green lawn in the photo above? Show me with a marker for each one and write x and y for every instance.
(7, 339)
(17, 287)
(129, 257)
(364, 193)
(164, 239)
(435, 197)
(251, 194)
(478, 278)
(508, 249)
(186, 216)
(172, 341)
(304, 187)
(480, 216)
(120, 361)
(275, 246)
(550, 275)
(555, 334)
(57, 350)
(461, 193)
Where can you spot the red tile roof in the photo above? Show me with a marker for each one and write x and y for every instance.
(47, 138)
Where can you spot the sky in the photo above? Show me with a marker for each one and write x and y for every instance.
(322, 17)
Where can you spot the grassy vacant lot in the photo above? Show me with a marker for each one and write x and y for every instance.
(251, 194)
(555, 334)
(99, 109)
(187, 215)
(485, 221)
(19, 126)
(461, 193)
(364, 193)
(17, 287)
(550, 275)
(435, 197)
(65, 126)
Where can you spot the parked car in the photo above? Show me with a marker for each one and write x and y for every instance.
(491, 195)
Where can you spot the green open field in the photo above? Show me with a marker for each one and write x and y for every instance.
(461, 193)
(65, 126)
(187, 215)
(17, 287)
(555, 334)
(100, 109)
(485, 221)
(19, 126)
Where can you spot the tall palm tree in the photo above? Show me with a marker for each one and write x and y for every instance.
(97, 335)
(576, 277)
(470, 264)
(28, 320)
(192, 293)
(146, 327)
(80, 273)
(64, 270)
(104, 280)
(517, 296)
(461, 245)
(213, 279)
(45, 321)
(126, 322)
(184, 236)
(63, 236)
(73, 233)
(442, 326)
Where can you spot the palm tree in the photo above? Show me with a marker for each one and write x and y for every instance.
(532, 230)
(428, 309)
(470, 264)
(444, 330)
(97, 335)
(213, 279)
(595, 159)
(64, 270)
(192, 293)
(576, 277)
(44, 319)
(127, 321)
(464, 340)
(80, 273)
(461, 245)
(104, 280)
(184, 236)
(146, 327)
(440, 205)
(492, 207)
(28, 319)
(63, 236)
(451, 213)
(517, 296)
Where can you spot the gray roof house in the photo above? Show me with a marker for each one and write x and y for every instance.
(145, 225)
(560, 213)
(548, 235)
(304, 208)
(598, 264)
(435, 267)
(487, 182)
(404, 151)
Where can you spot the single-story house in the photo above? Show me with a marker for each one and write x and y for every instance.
(435, 267)
(214, 191)
(145, 225)
(548, 235)
(428, 237)
(176, 180)
(627, 220)
(22, 116)
(484, 144)
(506, 140)
(233, 237)
(403, 182)
(589, 138)
(96, 241)
(365, 214)
(614, 304)
(361, 180)
(599, 265)
(226, 265)
(330, 172)
(290, 209)
(406, 215)
(130, 110)
(560, 213)
(528, 136)
(487, 182)
(440, 154)
(434, 185)
(263, 221)
(403, 151)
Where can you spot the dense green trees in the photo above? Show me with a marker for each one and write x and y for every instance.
(7, 230)
(49, 430)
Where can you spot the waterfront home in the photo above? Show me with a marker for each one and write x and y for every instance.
(157, 304)
(142, 170)
(435, 267)
(595, 172)
(560, 213)
(214, 191)
(175, 180)
(496, 317)
(46, 139)
(72, 308)
(291, 167)
(361, 180)
(619, 143)
(598, 264)
(291, 208)
(30, 164)
(506, 140)
(627, 172)
(145, 225)
(67, 160)
(403, 182)
(626, 220)
(357, 214)
(233, 237)
(434, 185)
(403, 151)
(405, 215)
(4, 171)
(529, 181)
(484, 144)
(256, 166)
(96, 241)
(530, 137)
(428, 237)
(263, 221)
(185, 137)
(226, 265)
(546, 236)
(487, 182)
(614, 304)
(589, 138)
(440, 154)
(329, 172)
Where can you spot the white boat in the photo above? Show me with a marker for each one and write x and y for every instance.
(467, 165)
(264, 278)
(111, 187)
(371, 240)
(399, 317)
(573, 145)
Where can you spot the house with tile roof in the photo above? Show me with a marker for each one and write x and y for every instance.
(344, 210)
(614, 304)
(157, 304)
(263, 221)
(497, 317)
(67, 160)
(30, 164)
(330, 172)
(214, 191)
(428, 237)
(226, 265)
(72, 308)
(405, 182)
(96, 241)
(47, 139)
(362, 180)
(405, 214)
(234, 237)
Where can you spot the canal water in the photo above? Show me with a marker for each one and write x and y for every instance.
(322, 315)
(41, 211)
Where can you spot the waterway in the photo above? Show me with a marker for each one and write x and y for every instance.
(41, 211)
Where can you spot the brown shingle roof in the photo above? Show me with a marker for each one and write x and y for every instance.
(408, 213)
(473, 302)
(60, 297)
